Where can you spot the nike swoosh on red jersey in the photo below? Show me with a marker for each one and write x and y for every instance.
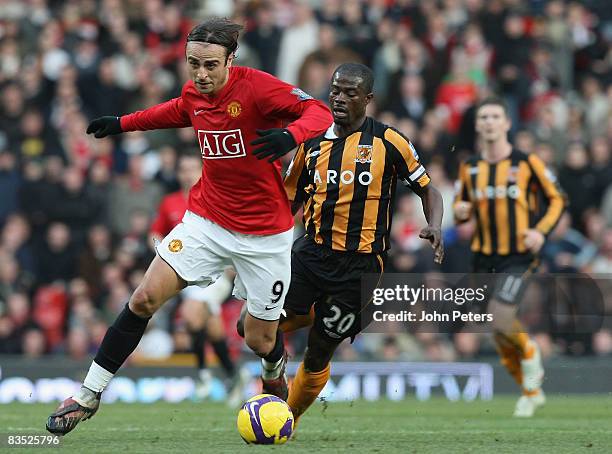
(197, 112)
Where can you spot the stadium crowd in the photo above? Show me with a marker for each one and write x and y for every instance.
(75, 211)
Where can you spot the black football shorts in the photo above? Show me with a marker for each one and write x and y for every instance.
(514, 274)
(331, 280)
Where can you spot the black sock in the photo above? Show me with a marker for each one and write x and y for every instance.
(198, 339)
(121, 340)
(222, 352)
(279, 348)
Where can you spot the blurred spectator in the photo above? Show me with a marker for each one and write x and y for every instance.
(596, 105)
(36, 140)
(98, 189)
(108, 95)
(166, 175)
(10, 182)
(509, 64)
(566, 249)
(557, 33)
(412, 103)
(601, 158)
(298, 40)
(9, 276)
(455, 95)
(34, 194)
(77, 209)
(10, 339)
(13, 108)
(474, 52)
(264, 38)
(97, 252)
(57, 260)
(15, 241)
(579, 182)
(33, 343)
(131, 192)
(603, 262)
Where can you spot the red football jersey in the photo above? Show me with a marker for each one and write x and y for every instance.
(236, 190)
(171, 211)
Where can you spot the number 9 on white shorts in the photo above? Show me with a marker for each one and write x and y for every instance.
(198, 250)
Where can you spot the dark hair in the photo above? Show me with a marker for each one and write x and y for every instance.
(217, 30)
(493, 101)
(358, 70)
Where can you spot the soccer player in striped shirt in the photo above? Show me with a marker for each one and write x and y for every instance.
(345, 179)
(504, 189)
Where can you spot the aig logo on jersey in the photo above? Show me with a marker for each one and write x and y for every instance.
(364, 154)
(221, 144)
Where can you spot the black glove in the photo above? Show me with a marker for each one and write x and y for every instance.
(104, 126)
(275, 143)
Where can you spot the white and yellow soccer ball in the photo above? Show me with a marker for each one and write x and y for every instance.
(265, 420)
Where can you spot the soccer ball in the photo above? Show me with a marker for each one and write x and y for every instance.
(265, 420)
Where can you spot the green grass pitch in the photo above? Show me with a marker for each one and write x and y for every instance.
(565, 425)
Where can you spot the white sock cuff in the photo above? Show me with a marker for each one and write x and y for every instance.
(97, 378)
(267, 365)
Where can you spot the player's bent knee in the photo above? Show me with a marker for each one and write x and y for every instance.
(143, 303)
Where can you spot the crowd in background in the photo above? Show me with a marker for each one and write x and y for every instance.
(75, 211)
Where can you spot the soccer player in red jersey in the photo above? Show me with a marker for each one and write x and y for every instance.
(200, 307)
(238, 212)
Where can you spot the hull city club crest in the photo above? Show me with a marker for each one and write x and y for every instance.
(364, 154)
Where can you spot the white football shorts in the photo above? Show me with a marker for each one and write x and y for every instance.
(198, 250)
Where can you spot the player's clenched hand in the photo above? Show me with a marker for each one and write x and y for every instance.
(275, 143)
(104, 126)
(533, 239)
(462, 210)
(434, 236)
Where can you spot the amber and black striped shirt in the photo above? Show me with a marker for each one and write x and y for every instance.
(509, 197)
(348, 184)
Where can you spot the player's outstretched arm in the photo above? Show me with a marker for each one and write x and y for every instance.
(169, 114)
(433, 209)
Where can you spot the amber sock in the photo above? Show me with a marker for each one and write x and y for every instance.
(509, 356)
(521, 340)
(305, 388)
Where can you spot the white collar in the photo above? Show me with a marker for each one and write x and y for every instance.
(330, 134)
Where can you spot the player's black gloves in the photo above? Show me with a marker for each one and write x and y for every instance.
(104, 126)
(275, 143)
